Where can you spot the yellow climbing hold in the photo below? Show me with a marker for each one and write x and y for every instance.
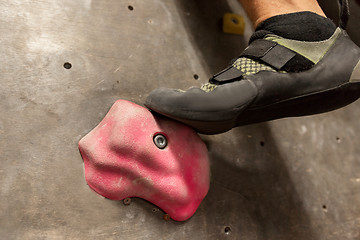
(233, 23)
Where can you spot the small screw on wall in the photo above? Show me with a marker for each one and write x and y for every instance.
(127, 201)
(166, 217)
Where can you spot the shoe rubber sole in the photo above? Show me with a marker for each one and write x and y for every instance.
(310, 104)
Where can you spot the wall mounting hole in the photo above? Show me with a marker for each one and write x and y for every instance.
(227, 230)
(337, 139)
(131, 8)
(262, 143)
(196, 77)
(155, 210)
(67, 65)
(324, 207)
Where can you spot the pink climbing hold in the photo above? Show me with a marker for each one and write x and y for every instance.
(132, 153)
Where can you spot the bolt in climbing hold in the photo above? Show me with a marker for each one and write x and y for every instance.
(160, 141)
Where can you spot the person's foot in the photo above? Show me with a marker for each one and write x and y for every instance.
(296, 64)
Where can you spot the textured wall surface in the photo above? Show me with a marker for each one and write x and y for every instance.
(287, 179)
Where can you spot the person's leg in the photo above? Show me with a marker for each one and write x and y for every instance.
(259, 10)
(299, 20)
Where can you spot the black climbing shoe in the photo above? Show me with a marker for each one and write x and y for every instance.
(273, 78)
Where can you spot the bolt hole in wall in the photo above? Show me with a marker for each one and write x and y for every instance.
(196, 77)
(131, 8)
(262, 143)
(227, 230)
(67, 65)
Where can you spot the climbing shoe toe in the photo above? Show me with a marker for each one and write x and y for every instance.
(210, 109)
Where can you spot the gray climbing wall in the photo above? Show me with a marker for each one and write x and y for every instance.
(287, 179)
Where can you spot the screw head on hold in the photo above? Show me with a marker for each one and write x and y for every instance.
(160, 141)
(234, 20)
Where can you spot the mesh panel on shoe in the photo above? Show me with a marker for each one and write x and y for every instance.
(208, 87)
(246, 65)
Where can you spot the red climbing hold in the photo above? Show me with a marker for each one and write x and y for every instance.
(132, 153)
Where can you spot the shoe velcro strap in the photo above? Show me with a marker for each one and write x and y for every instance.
(229, 74)
(269, 52)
